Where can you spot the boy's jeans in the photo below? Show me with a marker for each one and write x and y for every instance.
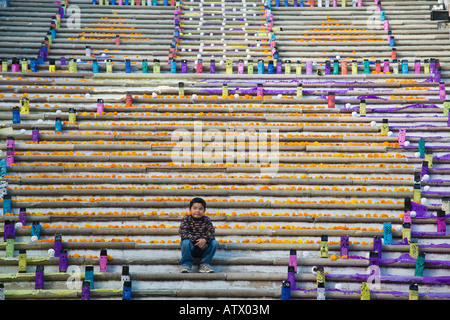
(189, 251)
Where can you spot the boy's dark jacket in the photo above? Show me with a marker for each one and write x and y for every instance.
(195, 229)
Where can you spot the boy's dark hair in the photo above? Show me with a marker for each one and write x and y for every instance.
(197, 200)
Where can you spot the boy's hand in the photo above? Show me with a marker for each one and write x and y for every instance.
(201, 243)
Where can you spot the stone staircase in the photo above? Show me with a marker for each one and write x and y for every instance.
(282, 158)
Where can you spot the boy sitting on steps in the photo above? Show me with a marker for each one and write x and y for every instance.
(197, 238)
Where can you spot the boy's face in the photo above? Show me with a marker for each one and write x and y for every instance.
(197, 211)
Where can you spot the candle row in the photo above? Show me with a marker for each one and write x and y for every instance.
(318, 3)
(375, 256)
(275, 66)
(152, 3)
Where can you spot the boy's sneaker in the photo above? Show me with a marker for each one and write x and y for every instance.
(185, 269)
(205, 268)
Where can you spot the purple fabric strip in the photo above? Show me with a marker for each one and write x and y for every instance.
(439, 181)
(425, 234)
(440, 193)
(420, 209)
(414, 106)
(429, 79)
(444, 157)
(390, 278)
(406, 258)
(370, 97)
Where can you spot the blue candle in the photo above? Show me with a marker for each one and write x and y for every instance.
(7, 204)
(270, 67)
(126, 291)
(58, 125)
(89, 275)
(36, 229)
(16, 114)
(127, 66)
(95, 66)
(286, 290)
(144, 66)
(420, 265)
(260, 67)
(387, 233)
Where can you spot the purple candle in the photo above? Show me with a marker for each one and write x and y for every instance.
(63, 61)
(441, 226)
(9, 156)
(58, 245)
(279, 67)
(9, 230)
(401, 137)
(424, 170)
(407, 217)
(212, 66)
(308, 67)
(103, 261)
(41, 53)
(39, 279)
(11, 143)
(291, 276)
(260, 90)
(377, 246)
(35, 135)
(23, 216)
(63, 262)
(240, 67)
(373, 258)
(100, 106)
(15, 67)
(293, 259)
(61, 11)
(442, 93)
(386, 66)
(86, 291)
(432, 65)
(417, 67)
(437, 75)
(327, 67)
(344, 246)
